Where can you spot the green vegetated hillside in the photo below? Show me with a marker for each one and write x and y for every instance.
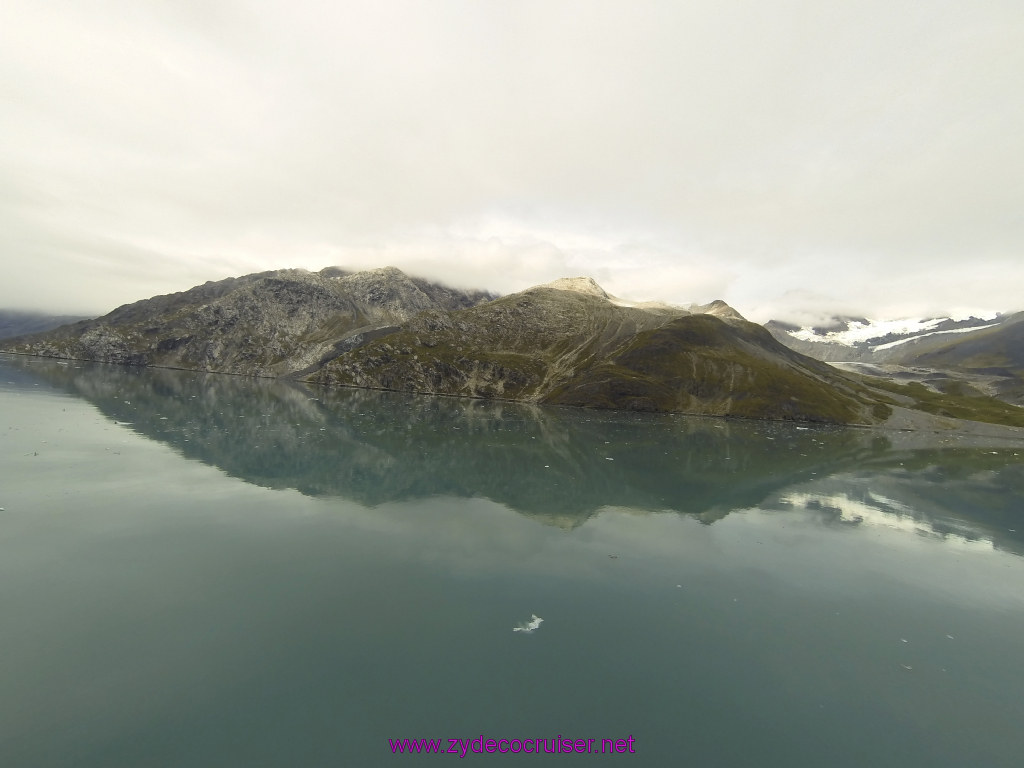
(971, 368)
(997, 350)
(957, 402)
(570, 348)
(700, 364)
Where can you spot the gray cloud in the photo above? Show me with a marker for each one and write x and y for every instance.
(775, 154)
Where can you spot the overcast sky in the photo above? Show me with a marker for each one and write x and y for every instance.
(788, 157)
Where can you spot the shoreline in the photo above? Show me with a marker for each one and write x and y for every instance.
(903, 421)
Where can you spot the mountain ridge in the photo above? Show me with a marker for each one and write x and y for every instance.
(565, 343)
(859, 339)
(264, 324)
(14, 323)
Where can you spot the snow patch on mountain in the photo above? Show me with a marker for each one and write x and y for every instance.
(857, 332)
(896, 343)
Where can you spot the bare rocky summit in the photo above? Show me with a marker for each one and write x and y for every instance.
(265, 324)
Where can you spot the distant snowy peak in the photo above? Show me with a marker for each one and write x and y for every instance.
(897, 342)
(880, 334)
(866, 339)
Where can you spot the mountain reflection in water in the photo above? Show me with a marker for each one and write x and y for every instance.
(560, 466)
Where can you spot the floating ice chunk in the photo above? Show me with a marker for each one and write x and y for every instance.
(529, 626)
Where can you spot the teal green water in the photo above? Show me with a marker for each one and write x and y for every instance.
(201, 570)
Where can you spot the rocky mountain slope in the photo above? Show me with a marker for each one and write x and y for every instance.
(265, 324)
(998, 349)
(990, 361)
(565, 343)
(568, 343)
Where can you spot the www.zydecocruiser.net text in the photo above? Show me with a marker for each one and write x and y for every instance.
(483, 745)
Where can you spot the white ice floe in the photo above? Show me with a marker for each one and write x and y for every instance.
(530, 625)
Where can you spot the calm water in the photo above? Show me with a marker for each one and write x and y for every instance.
(203, 570)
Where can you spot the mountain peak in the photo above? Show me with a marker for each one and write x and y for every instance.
(589, 287)
(717, 308)
(586, 285)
